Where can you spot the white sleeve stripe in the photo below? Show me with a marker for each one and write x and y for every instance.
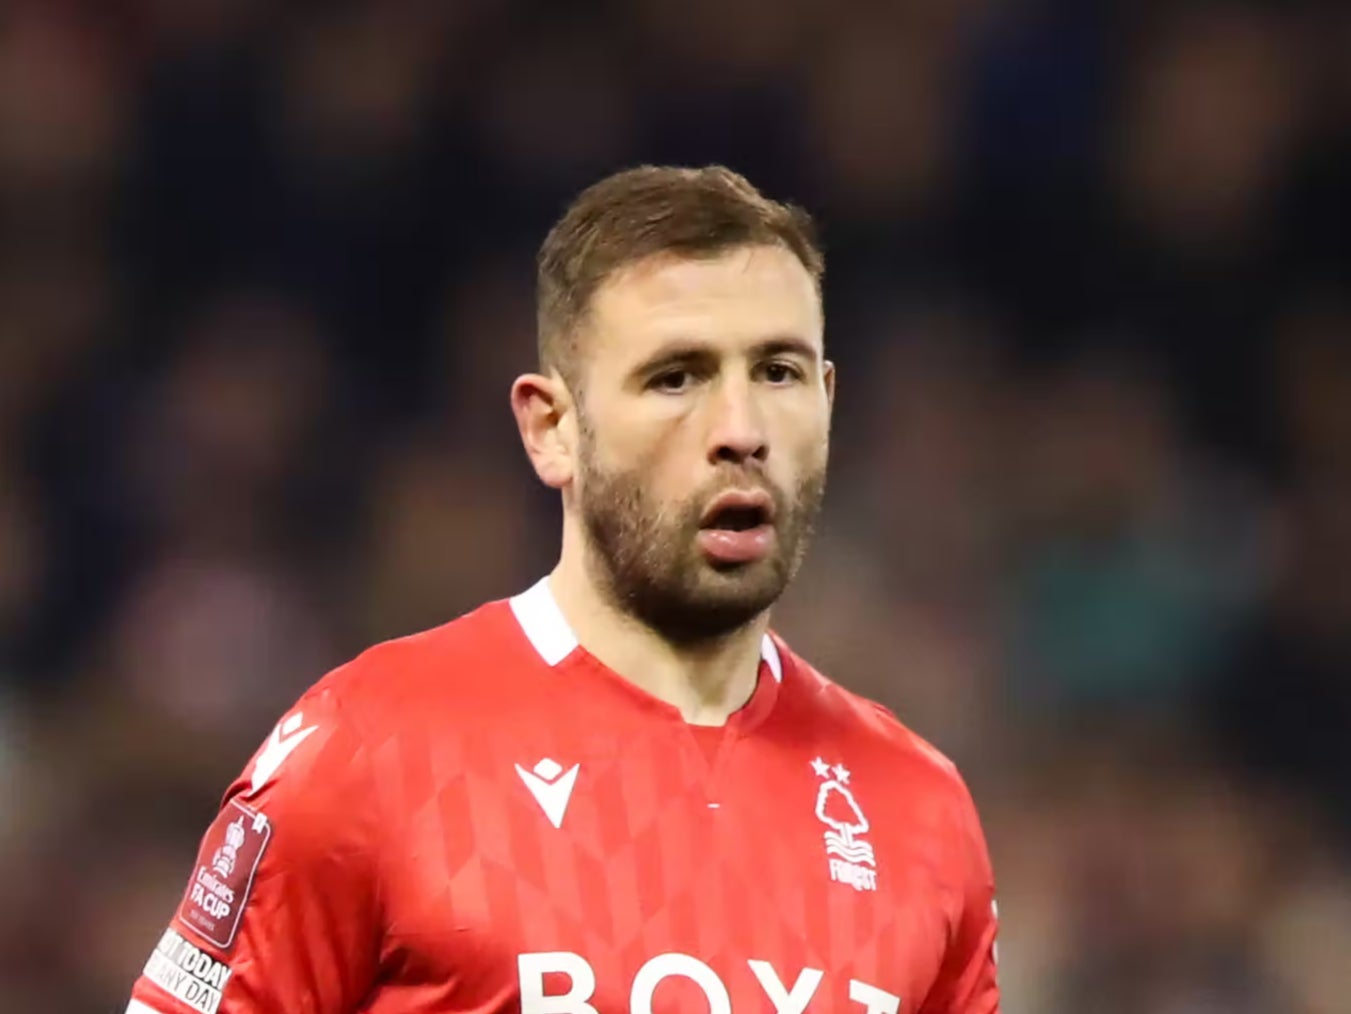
(137, 1007)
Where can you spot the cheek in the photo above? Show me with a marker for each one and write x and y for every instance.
(664, 454)
(626, 461)
(806, 439)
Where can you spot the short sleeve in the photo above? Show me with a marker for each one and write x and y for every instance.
(966, 981)
(280, 914)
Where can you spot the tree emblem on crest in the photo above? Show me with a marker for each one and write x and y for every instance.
(837, 808)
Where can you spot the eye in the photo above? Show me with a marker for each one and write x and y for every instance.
(671, 381)
(780, 372)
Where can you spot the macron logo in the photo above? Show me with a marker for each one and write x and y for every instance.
(284, 739)
(551, 786)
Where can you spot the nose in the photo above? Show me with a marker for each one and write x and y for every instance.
(738, 432)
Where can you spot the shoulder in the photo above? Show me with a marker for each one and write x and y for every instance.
(871, 729)
(447, 673)
(448, 658)
(400, 689)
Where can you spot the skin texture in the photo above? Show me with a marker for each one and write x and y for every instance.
(696, 377)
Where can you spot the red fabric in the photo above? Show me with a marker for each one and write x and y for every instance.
(410, 869)
(710, 739)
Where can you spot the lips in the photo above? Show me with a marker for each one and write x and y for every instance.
(738, 528)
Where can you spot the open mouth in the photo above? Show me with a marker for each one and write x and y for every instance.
(739, 510)
(738, 518)
(738, 527)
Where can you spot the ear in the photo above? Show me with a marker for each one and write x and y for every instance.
(828, 376)
(543, 410)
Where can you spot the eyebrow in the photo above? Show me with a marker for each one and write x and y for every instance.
(681, 351)
(786, 343)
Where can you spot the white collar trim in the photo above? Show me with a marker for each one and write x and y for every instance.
(544, 624)
(769, 653)
(548, 630)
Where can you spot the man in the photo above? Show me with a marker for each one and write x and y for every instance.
(616, 791)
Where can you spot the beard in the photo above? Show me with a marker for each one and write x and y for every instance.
(646, 556)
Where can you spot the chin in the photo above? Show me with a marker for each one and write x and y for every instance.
(715, 603)
(748, 587)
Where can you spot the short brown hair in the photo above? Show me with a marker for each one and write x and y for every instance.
(644, 211)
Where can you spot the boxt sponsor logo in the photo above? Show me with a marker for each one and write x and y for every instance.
(539, 970)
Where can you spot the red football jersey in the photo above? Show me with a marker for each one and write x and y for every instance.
(484, 818)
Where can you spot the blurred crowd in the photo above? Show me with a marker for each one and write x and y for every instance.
(266, 274)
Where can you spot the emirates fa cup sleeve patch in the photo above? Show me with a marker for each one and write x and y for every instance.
(187, 973)
(223, 876)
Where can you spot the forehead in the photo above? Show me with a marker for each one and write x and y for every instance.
(742, 296)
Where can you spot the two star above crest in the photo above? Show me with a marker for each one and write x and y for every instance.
(824, 770)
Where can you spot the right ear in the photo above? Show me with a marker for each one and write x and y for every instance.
(544, 416)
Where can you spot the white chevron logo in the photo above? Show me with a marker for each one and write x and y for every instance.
(285, 737)
(551, 786)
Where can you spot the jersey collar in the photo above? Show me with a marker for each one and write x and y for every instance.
(547, 629)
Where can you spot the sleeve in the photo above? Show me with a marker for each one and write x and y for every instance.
(966, 981)
(281, 911)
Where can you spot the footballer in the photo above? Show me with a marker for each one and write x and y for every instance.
(618, 790)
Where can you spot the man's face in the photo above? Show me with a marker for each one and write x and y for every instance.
(703, 435)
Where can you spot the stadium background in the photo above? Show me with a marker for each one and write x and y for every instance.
(266, 275)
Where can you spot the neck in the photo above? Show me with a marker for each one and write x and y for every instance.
(706, 681)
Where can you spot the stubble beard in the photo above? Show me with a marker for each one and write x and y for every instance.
(645, 556)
